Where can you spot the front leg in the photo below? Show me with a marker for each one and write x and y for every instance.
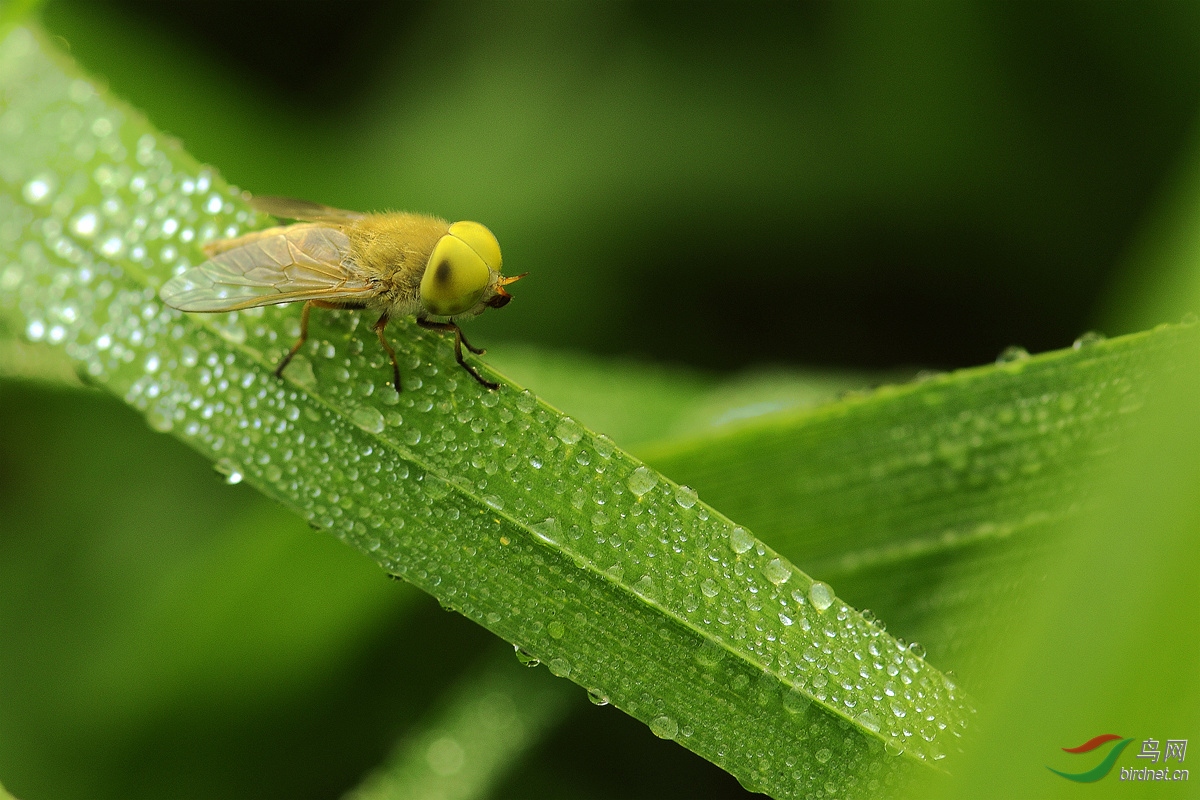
(458, 343)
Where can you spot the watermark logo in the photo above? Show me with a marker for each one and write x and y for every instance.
(1152, 750)
(1106, 764)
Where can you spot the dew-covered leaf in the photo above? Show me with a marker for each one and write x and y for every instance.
(493, 502)
(929, 502)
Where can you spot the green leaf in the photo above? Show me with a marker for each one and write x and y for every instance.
(493, 502)
(638, 403)
(488, 721)
(928, 502)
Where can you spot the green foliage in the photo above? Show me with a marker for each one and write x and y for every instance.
(1028, 524)
(496, 504)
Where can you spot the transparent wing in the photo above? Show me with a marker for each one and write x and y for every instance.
(289, 208)
(299, 262)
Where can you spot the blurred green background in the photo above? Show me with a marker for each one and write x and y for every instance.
(862, 186)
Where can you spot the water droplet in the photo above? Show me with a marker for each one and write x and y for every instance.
(917, 649)
(641, 480)
(548, 530)
(597, 697)
(556, 629)
(664, 727)
(525, 658)
(685, 496)
(568, 431)
(1011, 354)
(709, 653)
(740, 539)
(112, 246)
(604, 446)
(868, 721)
(526, 402)
(85, 224)
(820, 595)
(232, 472)
(1088, 339)
(823, 755)
(709, 588)
(368, 418)
(778, 573)
(160, 420)
(559, 666)
(38, 190)
(795, 702)
(645, 587)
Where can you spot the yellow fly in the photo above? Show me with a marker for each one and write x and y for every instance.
(397, 263)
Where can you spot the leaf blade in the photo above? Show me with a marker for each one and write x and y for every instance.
(443, 484)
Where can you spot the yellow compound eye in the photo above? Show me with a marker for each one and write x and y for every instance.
(481, 241)
(455, 277)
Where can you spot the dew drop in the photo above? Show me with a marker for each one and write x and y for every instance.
(778, 573)
(641, 480)
(709, 653)
(664, 727)
(1088, 339)
(645, 587)
(868, 721)
(556, 629)
(685, 496)
(368, 418)
(740, 539)
(85, 224)
(548, 530)
(795, 702)
(231, 471)
(525, 658)
(568, 431)
(112, 246)
(1012, 354)
(559, 666)
(917, 649)
(820, 595)
(526, 402)
(38, 190)
(597, 697)
(160, 420)
(604, 446)
(823, 755)
(709, 588)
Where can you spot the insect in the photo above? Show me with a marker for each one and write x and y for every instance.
(397, 263)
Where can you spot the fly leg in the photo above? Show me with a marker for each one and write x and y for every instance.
(459, 341)
(378, 328)
(304, 329)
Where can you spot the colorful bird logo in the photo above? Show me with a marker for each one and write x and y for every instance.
(1104, 767)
